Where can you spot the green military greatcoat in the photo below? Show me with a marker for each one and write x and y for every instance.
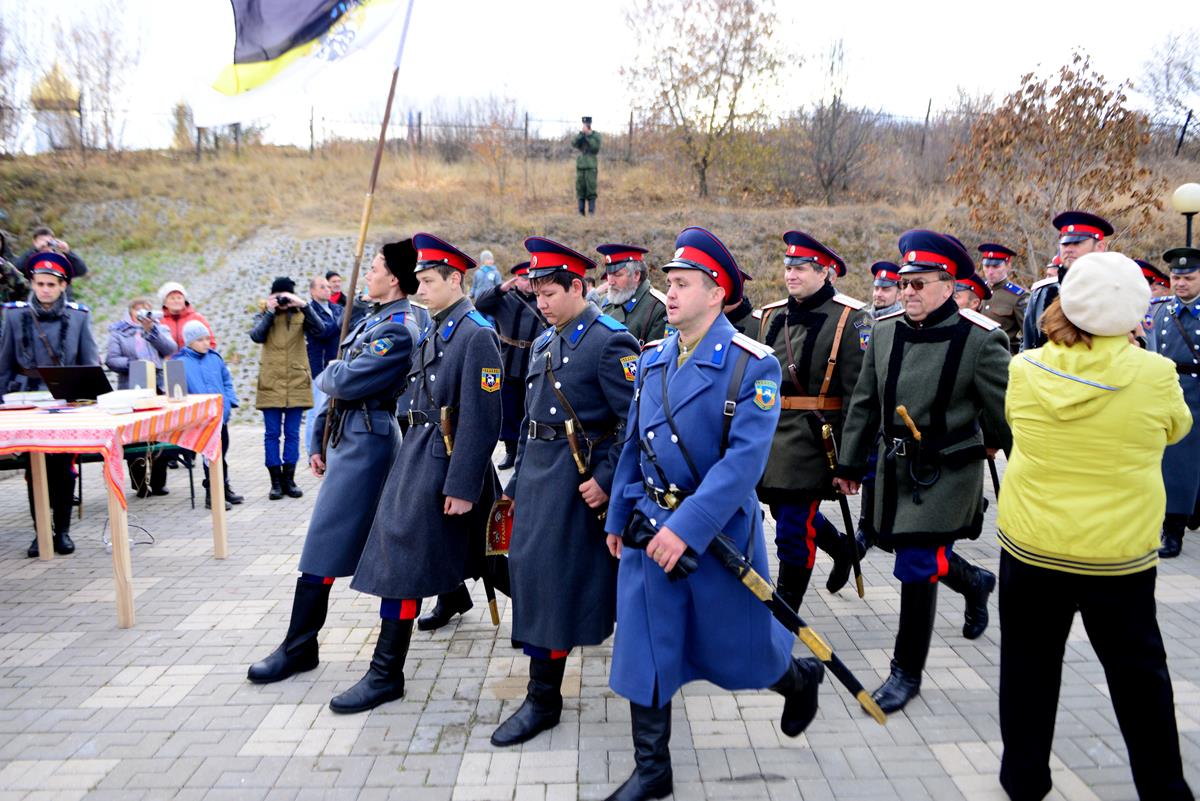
(645, 314)
(588, 145)
(1007, 307)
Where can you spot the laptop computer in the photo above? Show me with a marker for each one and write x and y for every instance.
(85, 382)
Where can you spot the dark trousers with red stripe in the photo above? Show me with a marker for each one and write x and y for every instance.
(800, 529)
(1037, 607)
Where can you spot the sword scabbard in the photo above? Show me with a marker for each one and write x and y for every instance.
(447, 430)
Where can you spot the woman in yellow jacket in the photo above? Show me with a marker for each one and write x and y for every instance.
(1079, 522)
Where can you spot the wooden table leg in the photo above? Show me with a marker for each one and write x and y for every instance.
(216, 493)
(118, 522)
(41, 506)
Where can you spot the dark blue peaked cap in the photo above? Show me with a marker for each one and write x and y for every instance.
(432, 250)
(698, 249)
(922, 251)
(548, 257)
(991, 251)
(803, 246)
(1076, 226)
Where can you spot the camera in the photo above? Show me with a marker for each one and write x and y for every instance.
(142, 314)
(282, 301)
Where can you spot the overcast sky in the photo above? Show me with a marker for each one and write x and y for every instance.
(560, 59)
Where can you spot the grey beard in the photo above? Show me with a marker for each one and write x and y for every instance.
(620, 298)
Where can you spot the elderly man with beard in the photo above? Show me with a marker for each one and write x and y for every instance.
(630, 299)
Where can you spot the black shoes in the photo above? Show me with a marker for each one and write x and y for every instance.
(1172, 536)
(385, 678)
(799, 686)
(900, 688)
(918, 605)
(231, 496)
(456, 602)
(510, 455)
(288, 473)
(208, 498)
(652, 775)
(298, 652)
(974, 584)
(63, 545)
(276, 472)
(542, 707)
(843, 562)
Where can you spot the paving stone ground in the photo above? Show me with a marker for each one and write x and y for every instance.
(164, 711)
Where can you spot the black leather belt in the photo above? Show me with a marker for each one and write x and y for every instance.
(547, 432)
(418, 417)
(1187, 369)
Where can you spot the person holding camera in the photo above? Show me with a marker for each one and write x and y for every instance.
(587, 142)
(284, 379)
(44, 241)
(141, 337)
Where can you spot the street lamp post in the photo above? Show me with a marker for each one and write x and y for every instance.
(1186, 201)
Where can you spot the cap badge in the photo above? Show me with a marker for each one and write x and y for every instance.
(679, 253)
(533, 262)
(420, 255)
(608, 259)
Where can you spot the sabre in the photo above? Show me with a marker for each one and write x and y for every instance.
(991, 460)
(832, 457)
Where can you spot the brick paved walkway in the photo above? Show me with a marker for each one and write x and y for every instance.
(163, 710)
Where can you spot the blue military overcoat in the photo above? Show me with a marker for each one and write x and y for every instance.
(1181, 461)
(708, 626)
(376, 355)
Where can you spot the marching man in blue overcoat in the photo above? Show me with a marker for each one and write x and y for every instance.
(703, 415)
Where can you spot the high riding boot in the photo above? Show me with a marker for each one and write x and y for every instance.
(918, 604)
(288, 474)
(298, 652)
(276, 472)
(1172, 536)
(158, 476)
(62, 530)
(385, 678)
(510, 455)
(1193, 521)
(542, 706)
(974, 584)
(591, 205)
(652, 776)
(793, 583)
(799, 686)
(230, 495)
(582, 211)
(455, 602)
(843, 560)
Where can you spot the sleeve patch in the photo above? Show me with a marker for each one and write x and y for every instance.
(864, 338)
(489, 379)
(765, 393)
(629, 366)
(381, 346)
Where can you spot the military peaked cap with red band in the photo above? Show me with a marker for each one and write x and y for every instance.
(886, 273)
(923, 251)
(698, 249)
(994, 254)
(619, 254)
(802, 246)
(972, 282)
(1076, 226)
(520, 269)
(432, 251)
(1152, 273)
(548, 257)
(49, 263)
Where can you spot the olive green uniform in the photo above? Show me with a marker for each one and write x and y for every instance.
(644, 314)
(1007, 307)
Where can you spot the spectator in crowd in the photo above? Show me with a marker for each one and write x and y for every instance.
(1077, 535)
(208, 374)
(335, 288)
(284, 379)
(486, 277)
(13, 285)
(323, 347)
(140, 337)
(178, 312)
(45, 241)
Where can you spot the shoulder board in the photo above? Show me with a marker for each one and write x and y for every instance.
(756, 349)
(610, 323)
(413, 303)
(986, 323)
(398, 317)
(890, 316)
(846, 300)
(654, 343)
(1163, 299)
(77, 306)
(1043, 282)
(660, 297)
(1016, 289)
(774, 305)
(756, 314)
(15, 304)
(478, 319)
(543, 338)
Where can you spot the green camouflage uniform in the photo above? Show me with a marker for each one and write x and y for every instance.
(588, 145)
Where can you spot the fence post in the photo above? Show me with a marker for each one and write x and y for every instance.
(312, 137)
(1183, 132)
(199, 142)
(419, 129)
(237, 140)
(629, 140)
(925, 129)
(525, 154)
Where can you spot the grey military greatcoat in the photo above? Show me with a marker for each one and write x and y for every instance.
(38, 337)
(564, 581)
(414, 550)
(365, 382)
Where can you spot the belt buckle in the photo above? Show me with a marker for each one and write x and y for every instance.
(411, 420)
(899, 447)
(532, 432)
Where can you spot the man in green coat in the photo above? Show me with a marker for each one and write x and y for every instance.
(587, 142)
(630, 299)
(933, 380)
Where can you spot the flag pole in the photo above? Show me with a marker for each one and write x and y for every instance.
(368, 202)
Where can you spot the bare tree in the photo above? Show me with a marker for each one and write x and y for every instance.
(703, 68)
(837, 135)
(1171, 79)
(101, 55)
(10, 65)
(183, 130)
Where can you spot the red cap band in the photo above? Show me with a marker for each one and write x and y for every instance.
(716, 271)
(452, 259)
(548, 261)
(991, 254)
(1079, 228)
(888, 275)
(617, 258)
(1154, 278)
(924, 257)
(47, 266)
(801, 252)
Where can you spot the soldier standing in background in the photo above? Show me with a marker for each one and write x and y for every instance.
(885, 290)
(1079, 232)
(1007, 301)
(971, 293)
(630, 299)
(815, 335)
(587, 142)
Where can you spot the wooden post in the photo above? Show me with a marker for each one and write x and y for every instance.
(629, 141)
(41, 506)
(418, 130)
(925, 129)
(525, 150)
(199, 142)
(312, 138)
(82, 129)
(118, 523)
(1183, 133)
(216, 493)
(237, 140)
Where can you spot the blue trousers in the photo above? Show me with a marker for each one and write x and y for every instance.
(287, 422)
(800, 529)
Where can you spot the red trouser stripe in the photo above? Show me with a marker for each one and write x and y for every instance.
(810, 533)
(943, 565)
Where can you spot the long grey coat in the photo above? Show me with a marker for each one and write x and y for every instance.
(376, 355)
(64, 326)
(563, 578)
(414, 550)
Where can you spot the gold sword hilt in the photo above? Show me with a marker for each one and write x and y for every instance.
(902, 410)
(573, 441)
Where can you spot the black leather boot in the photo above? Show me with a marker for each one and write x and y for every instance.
(652, 776)
(799, 685)
(276, 472)
(231, 496)
(298, 652)
(793, 583)
(510, 455)
(974, 584)
(918, 605)
(385, 678)
(542, 706)
(591, 205)
(582, 211)
(62, 530)
(208, 496)
(288, 474)
(455, 602)
(1193, 521)
(1172, 536)
(843, 560)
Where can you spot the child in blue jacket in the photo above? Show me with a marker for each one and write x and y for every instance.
(207, 374)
